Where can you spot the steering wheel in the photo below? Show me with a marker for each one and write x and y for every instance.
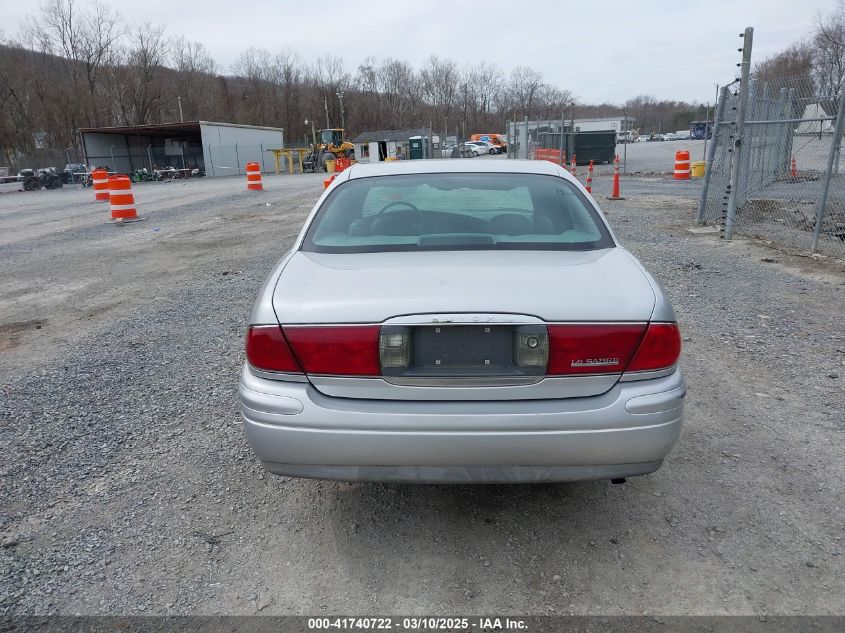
(397, 203)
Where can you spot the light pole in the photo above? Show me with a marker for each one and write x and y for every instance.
(313, 131)
(326, 106)
(342, 119)
(67, 155)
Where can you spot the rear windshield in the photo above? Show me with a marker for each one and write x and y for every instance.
(456, 212)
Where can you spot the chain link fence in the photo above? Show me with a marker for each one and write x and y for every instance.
(789, 187)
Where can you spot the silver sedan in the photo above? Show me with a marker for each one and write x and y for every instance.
(450, 321)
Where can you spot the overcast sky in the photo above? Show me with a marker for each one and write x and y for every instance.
(608, 50)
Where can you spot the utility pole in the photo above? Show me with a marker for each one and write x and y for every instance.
(326, 106)
(179, 99)
(342, 119)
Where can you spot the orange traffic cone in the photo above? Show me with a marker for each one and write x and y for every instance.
(615, 194)
(682, 170)
(100, 178)
(574, 168)
(794, 169)
(253, 177)
(122, 199)
(590, 177)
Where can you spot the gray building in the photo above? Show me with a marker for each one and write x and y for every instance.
(372, 147)
(221, 149)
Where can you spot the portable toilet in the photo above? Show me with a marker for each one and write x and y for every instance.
(416, 147)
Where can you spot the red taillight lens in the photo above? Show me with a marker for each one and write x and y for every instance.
(339, 350)
(603, 348)
(661, 348)
(267, 349)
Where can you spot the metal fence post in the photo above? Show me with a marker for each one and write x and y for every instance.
(708, 173)
(834, 143)
(730, 218)
(560, 149)
(748, 134)
(526, 137)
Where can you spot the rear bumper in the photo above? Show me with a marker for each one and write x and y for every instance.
(297, 431)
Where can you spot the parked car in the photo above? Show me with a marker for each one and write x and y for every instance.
(477, 148)
(499, 141)
(625, 137)
(456, 321)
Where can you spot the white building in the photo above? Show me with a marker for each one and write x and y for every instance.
(616, 124)
(221, 149)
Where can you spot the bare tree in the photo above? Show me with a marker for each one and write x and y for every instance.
(259, 83)
(290, 71)
(83, 40)
(438, 81)
(366, 102)
(523, 85)
(486, 83)
(327, 77)
(398, 85)
(193, 80)
(829, 50)
(143, 60)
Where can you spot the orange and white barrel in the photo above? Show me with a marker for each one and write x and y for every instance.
(100, 178)
(253, 177)
(122, 199)
(682, 169)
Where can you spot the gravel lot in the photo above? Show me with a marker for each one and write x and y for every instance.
(127, 485)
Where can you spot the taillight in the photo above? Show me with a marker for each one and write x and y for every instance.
(338, 350)
(660, 348)
(266, 349)
(601, 348)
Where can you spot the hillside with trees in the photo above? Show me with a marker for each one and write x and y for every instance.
(78, 65)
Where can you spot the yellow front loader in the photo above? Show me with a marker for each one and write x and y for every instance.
(330, 145)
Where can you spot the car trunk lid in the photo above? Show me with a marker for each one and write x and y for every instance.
(462, 311)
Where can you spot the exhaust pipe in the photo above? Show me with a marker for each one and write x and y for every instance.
(618, 480)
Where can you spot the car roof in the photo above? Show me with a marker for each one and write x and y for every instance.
(453, 165)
